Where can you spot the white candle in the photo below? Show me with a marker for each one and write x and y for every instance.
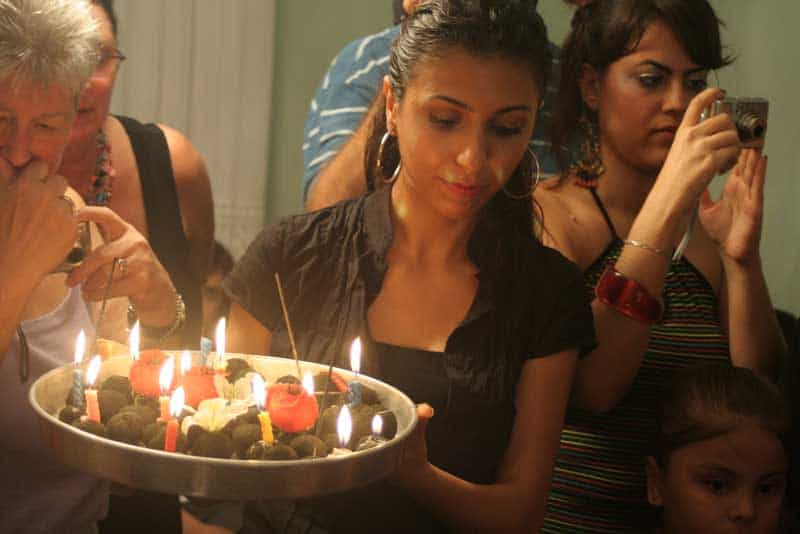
(133, 341)
(219, 339)
(164, 382)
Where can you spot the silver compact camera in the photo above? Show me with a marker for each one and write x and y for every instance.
(748, 114)
(79, 250)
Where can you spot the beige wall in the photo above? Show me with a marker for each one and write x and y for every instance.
(761, 34)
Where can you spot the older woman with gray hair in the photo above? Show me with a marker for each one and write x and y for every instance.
(48, 49)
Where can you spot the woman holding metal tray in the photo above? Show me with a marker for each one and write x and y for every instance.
(48, 49)
(438, 272)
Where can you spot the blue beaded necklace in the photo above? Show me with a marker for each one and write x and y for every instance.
(100, 185)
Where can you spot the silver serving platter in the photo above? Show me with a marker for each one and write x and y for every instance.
(213, 478)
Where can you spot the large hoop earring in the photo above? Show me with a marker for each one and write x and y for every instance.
(379, 161)
(537, 176)
(390, 180)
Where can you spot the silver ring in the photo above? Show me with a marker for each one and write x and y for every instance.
(122, 265)
(72, 207)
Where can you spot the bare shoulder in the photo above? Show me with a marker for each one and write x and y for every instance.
(572, 224)
(194, 197)
(187, 163)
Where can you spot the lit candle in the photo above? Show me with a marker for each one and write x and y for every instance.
(344, 429)
(92, 404)
(133, 341)
(376, 438)
(175, 409)
(355, 365)
(219, 339)
(164, 382)
(77, 372)
(260, 396)
(377, 426)
(186, 363)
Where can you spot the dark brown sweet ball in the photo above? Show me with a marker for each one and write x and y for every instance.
(248, 417)
(369, 395)
(92, 427)
(288, 379)
(244, 436)
(111, 402)
(331, 440)
(149, 402)
(362, 415)
(279, 451)
(309, 446)
(213, 445)
(328, 420)
(146, 413)
(70, 413)
(126, 427)
(237, 368)
(118, 383)
(153, 435)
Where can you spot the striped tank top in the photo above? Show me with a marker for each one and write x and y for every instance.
(599, 481)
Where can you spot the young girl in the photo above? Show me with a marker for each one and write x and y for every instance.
(719, 463)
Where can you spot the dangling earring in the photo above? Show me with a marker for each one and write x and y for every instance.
(590, 167)
(379, 161)
(536, 178)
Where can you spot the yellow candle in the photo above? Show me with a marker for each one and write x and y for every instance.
(266, 427)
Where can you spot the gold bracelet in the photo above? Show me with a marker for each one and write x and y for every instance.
(645, 246)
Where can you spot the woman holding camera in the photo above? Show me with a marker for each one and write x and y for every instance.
(634, 75)
(47, 52)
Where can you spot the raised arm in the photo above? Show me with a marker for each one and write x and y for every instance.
(700, 151)
(516, 501)
(37, 231)
(734, 224)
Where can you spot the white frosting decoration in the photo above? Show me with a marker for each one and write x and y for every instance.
(214, 414)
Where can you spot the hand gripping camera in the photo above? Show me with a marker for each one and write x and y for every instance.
(748, 114)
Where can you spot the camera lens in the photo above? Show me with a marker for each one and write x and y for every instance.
(750, 126)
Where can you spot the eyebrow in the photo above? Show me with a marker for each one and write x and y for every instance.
(464, 105)
(665, 68)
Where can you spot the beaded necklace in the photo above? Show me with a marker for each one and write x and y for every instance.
(100, 185)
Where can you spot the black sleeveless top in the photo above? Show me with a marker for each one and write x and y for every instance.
(163, 213)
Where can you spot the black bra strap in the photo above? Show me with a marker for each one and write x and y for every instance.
(605, 213)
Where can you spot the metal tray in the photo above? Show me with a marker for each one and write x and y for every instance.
(213, 478)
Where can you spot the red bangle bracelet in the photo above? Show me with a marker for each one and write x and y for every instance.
(628, 297)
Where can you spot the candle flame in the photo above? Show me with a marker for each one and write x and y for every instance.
(80, 347)
(219, 338)
(177, 401)
(93, 370)
(344, 426)
(186, 362)
(308, 383)
(355, 355)
(165, 377)
(377, 425)
(259, 391)
(133, 341)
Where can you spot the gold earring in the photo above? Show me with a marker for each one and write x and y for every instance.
(534, 182)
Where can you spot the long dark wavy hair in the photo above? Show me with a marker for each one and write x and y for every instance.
(510, 29)
(605, 30)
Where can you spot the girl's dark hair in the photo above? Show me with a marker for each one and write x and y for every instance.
(108, 7)
(605, 30)
(710, 400)
(510, 29)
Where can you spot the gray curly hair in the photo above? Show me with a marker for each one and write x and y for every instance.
(47, 43)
